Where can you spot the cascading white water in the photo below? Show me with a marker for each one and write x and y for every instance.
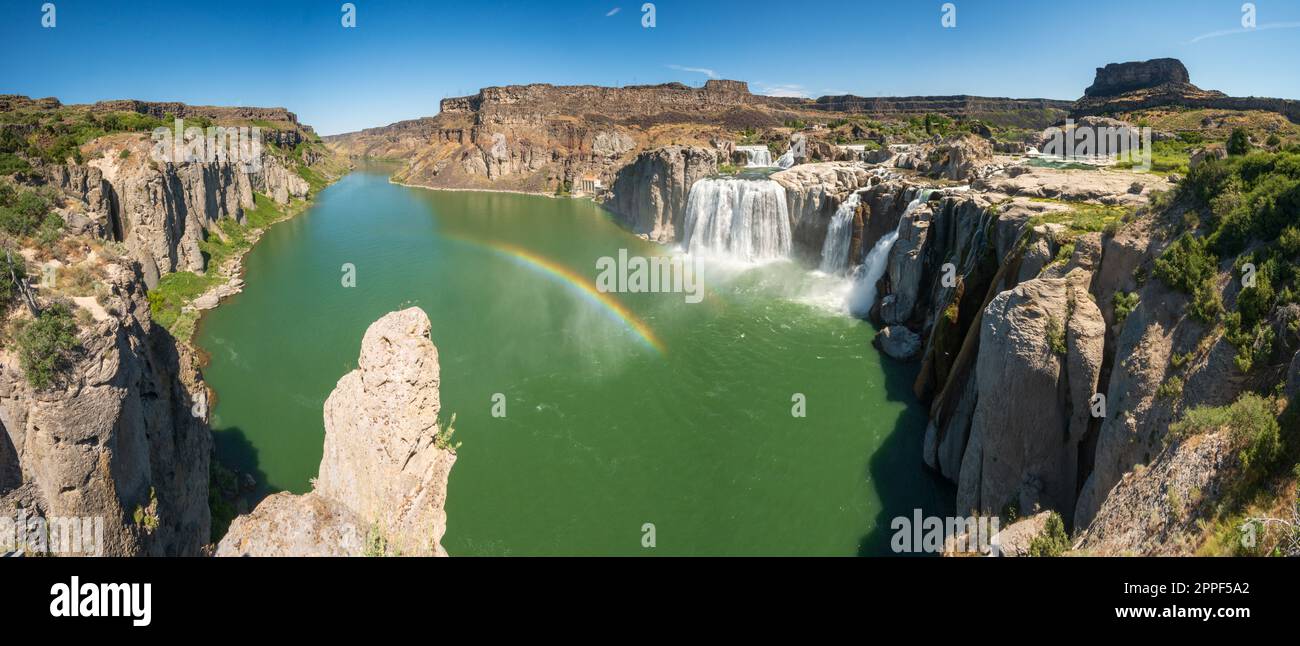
(873, 267)
(839, 235)
(786, 160)
(759, 156)
(745, 219)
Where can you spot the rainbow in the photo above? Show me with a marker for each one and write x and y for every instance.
(580, 285)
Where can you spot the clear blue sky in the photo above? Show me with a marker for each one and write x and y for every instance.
(405, 55)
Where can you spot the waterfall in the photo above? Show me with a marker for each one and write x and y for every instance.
(786, 160)
(873, 267)
(759, 156)
(746, 219)
(839, 235)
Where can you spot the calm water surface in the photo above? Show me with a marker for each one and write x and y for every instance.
(604, 432)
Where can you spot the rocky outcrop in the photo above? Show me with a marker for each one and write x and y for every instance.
(1075, 185)
(649, 195)
(534, 103)
(814, 192)
(122, 437)
(1118, 78)
(384, 472)
(287, 525)
(1158, 509)
(1040, 357)
(958, 158)
(1164, 82)
(1016, 539)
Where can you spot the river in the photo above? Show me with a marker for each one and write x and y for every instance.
(622, 411)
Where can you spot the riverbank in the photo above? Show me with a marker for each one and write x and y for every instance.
(477, 190)
(181, 298)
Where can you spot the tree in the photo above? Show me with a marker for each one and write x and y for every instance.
(12, 270)
(1053, 541)
(1238, 142)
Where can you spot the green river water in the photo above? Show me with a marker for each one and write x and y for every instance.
(602, 433)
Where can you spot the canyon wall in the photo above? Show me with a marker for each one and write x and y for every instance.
(121, 434)
(162, 211)
(542, 138)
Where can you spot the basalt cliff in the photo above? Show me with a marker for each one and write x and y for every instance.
(549, 139)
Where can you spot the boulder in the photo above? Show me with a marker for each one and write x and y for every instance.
(898, 342)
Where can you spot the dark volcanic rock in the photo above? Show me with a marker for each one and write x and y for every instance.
(1118, 78)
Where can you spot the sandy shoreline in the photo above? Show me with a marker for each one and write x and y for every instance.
(479, 190)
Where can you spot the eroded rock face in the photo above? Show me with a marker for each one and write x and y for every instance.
(383, 475)
(121, 433)
(162, 211)
(1040, 356)
(649, 195)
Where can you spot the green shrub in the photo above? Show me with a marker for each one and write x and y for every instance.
(51, 230)
(25, 212)
(11, 163)
(376, 542)
(1207, 304)
(1053, 541)
(1125, 303)
(1186, 264)
(147, 517)
(1238, 142)
(1253, 425)
(1172, 387)
(45, 345)
(1055, 335)
(222, 486)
